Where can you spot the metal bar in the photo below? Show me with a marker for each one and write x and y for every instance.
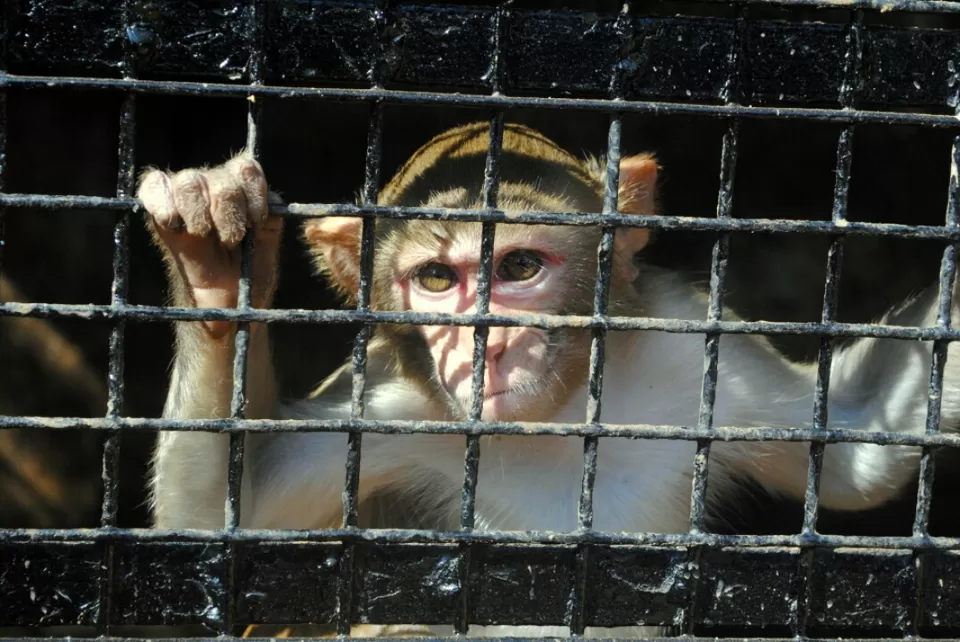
(410, 427)
(483, 537)
(583, 219)
(544, 321)
(238, 401)
(483, 101)
(466, 537)
(480, 639)
(371, 185)
(718, 270)
(119, 287)
(883, 6)
(945, 302)
(471, 456)
(575, 616)
(118, 299)
(948, 267)
(853, 61)
(822, 385)
(711, 348)
(359, 357)
(828, 316)
(601, 297)
(848, 94)
(4, 39)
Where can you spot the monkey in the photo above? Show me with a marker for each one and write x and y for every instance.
(198, 218)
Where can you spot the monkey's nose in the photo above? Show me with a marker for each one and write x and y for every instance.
(495, 350)
(496, 347)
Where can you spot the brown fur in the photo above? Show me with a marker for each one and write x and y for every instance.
(535, 170)
(448, 172)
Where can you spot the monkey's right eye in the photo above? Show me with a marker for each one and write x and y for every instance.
(436, 277)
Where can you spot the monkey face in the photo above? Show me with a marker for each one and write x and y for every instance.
(536, 269)
(433, 266)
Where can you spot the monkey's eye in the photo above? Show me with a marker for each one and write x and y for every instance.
(436, 277)
(521, 265)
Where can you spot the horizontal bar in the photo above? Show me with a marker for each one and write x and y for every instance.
(495, 101)
(407, 427)
(413, 536)
(686, 223)
(112, 638)
(60, 202)
(883, 6)
(542, 321)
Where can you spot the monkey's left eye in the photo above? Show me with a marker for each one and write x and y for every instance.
(436, 277)
(521, 265)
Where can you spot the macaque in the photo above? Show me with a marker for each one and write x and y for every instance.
(294, 480)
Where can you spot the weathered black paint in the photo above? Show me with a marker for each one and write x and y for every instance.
(729, 67)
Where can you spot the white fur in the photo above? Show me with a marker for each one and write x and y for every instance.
(531, 482)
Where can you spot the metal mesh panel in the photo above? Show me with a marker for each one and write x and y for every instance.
(492, 59)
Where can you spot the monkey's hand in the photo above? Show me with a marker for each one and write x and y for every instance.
(199, 218)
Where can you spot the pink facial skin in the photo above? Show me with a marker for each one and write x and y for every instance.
(518, 360)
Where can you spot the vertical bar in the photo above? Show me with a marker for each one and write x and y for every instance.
(828, 315)
(718, 272)
(371, 184)
(471, 457)
(491, 189)
(847, 99)
(126, 172)
(238, 402)
(711, 347)
(601, 298)
(3, 166)
(359, 356)
(575, 612)
(934, 392)
(934, 396)
(576, 616)
(4, 39)
(126, 154)
(948, 275)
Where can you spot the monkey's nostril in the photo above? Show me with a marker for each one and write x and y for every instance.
(495, 351)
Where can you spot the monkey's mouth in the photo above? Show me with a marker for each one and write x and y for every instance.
(491, 401)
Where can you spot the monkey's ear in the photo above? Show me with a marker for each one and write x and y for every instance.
(637, 195)
(638, 184)
(335, 245)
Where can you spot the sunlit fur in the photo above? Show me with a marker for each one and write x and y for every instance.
(533, 482)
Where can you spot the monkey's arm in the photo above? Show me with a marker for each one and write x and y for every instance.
(297, 478)
(198, 219)
(876, 385)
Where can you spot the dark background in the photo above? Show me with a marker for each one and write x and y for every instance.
(65, 142)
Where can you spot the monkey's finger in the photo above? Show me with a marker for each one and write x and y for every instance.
(228, 205)
(249, 174)
(192, 199)
(156, 194)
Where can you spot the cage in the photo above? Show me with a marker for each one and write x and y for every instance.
(771, 99)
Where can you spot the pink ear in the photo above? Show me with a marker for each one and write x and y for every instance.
(335, 244)
(638, 184)
(637, 195)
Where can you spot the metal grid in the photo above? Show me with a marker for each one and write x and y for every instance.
(229, 562)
